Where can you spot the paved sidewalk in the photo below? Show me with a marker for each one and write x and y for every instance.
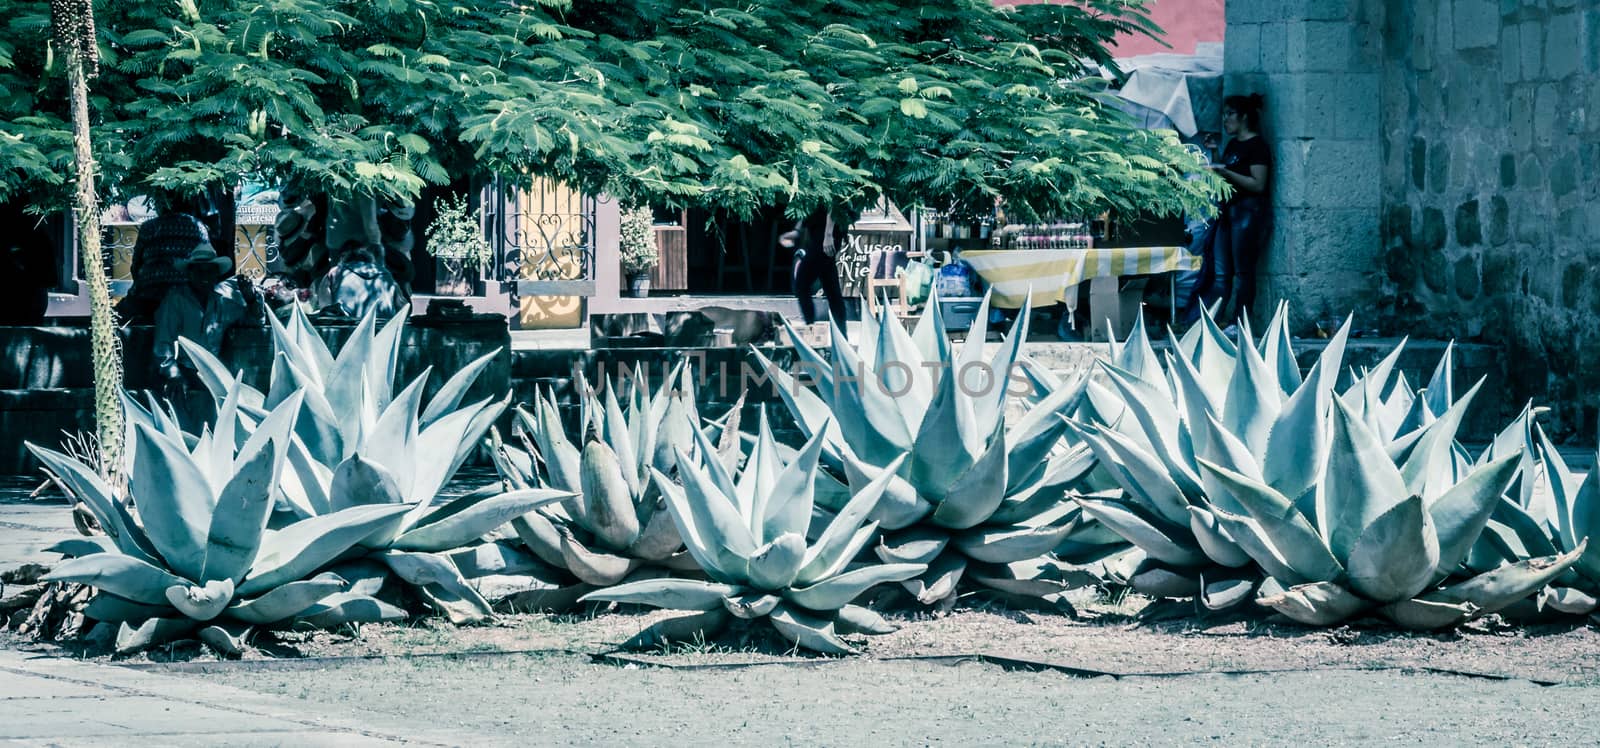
(47, 700)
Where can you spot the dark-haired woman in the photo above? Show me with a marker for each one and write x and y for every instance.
(1244, 223)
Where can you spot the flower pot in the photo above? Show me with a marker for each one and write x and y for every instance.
(639, 285)
(453, 280)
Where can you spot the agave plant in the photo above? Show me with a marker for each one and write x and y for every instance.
(358, 442)
(1246, 408)
(615, 524)
(194, 550)
(750, 536)
(1534, 524)
(974, 498)
(1382, 536)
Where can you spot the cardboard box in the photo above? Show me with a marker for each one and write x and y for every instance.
(1114, 304)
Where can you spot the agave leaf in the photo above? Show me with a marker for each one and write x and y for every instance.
(448, 398)
(1034, 577)
(1039, 431)
(1291, 537)
(240, 519)
(347, 380)
(939, 581)
(1253, 401)
(1214, 541)
(109, 608)
(1360, 483)
(1460, 515)
(701, 530)
(917, 545)
(900, 507)
(389, 441)
(775, 565)
(713, 510)
(788, 507)
(1154, 580)
(658, 539)
(1565, 487)
(867, 415)
(809, 631)
(842, 533)
(1222, 594)
(1394, 557)
(73, 547)
(1254, 540)
(977, 493)
(123, 576)
(1315, 604)
(947, 442)
(290, 554)
(1584, 523)
(1441, 389)
(287, 601)
(1297, 447)
(1153, 408)
(811, 414)
(594, 567)
(1568, 601)
(1529, 536)
(854, 619)
(450, 527)
(1425, 615)
(1492, 591)
(1225, 450)
(1428, 471)
(536, 531)
(1007, 544)
(201, 603)
(151, 633)
(175, 501)
(608, 500)
(1140, 473)
(755, 484)
(671, 594)
(751, 605)
(87, 486)
(216, 378)
(441, 584)
(818, 368)
(349, 607)
(1155, 536)
(438, 440)
(359, 482)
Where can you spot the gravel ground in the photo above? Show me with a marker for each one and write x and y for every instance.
(565, 700)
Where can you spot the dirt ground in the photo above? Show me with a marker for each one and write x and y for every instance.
(978, 676)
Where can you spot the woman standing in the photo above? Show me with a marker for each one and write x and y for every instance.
(1244, 223)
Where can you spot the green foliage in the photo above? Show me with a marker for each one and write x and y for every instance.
(456, 234)
(731, 106)
(638, 240)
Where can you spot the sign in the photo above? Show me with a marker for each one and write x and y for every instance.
(870, 254)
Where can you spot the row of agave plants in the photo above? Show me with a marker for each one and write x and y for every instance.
(1215, 473)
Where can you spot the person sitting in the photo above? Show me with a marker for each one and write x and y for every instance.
(360, 283)
(203, 309)
(163, 241)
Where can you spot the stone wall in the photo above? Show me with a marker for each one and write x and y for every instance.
(1491, 187)
(1319, 65)
(1438, 169)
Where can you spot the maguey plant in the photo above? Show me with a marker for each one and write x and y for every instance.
(1245, 407)
(193, 550)
(749, 535)
(1532, 524)
(615, 525)
(972, 498)
(1385, 537)
(358, 442)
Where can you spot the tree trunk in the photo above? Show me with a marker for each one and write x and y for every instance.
(102, 318)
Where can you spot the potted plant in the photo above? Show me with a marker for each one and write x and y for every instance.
(639, 256)
(455, 239)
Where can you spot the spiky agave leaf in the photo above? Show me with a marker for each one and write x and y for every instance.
(991, 494)
(755, 551)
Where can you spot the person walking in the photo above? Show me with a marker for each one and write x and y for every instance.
(1236, 240)
(817, 240)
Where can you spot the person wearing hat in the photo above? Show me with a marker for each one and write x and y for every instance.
(202, 310)
(162, 242)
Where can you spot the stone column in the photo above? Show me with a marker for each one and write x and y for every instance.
(1318, 63)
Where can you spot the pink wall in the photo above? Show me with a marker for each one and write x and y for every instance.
(1185, 21)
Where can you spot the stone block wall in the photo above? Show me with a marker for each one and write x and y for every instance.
(1318, 63)
(1491, 188)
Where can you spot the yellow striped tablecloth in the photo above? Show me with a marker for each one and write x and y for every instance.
(1009, 273)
